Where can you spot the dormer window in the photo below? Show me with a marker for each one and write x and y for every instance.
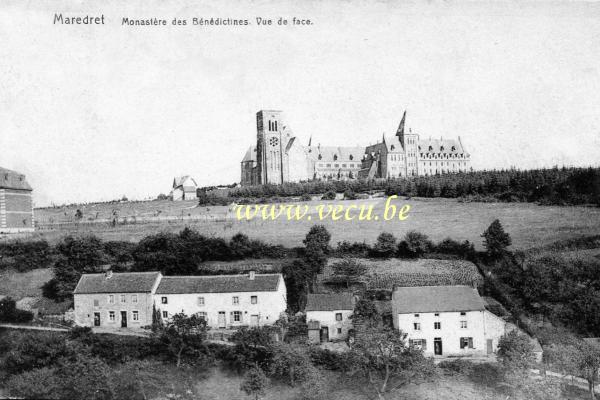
(393, 147)
(320, 157)
(441, 148)
(335, 157)
(453, 148)
(351, 157)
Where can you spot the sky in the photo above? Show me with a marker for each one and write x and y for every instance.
(92, 113)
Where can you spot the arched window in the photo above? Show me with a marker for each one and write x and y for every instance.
(335, 157)
(351, 157)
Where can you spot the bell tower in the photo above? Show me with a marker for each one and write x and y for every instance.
(269, 154)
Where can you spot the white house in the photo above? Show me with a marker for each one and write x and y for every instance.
(446, 320)
(328, 316)
(226, 301)
(184, 188)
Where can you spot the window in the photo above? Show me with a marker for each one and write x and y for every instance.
(96, 303)
(202, 315)
(418, 344)
(463, 324)
(253, 299)
(111, 316)
(165, 314)
(338, 316)
(463, 313)
(134, 298)
(417, 326)
(135, 316)
(466, 342)
(339, 331)
(416, 315)
(236, 300)
(237, 316)
(436, 314)
(163, 300)
(122, 298)
(437, 325)
(200, 301)
(111, 298)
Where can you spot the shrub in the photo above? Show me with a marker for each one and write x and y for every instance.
(10, 313)
(486, 374)
(456, 367)
(305, 197)
(385, 246)
(330, 195)
(349, 195)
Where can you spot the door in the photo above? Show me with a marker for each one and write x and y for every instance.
(222, 321)
(123, 319)
(254, 320)
(324, 334)
(96, 319)
(490, 346)
(437, 346)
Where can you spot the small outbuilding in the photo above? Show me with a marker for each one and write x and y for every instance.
(328, 316)
(184, 188)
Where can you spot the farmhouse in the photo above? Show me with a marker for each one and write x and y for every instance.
(226, 301)
(115, 300)
(16, 205)
(184, 188)
(328, 316)
(126, 300)
(446, 320)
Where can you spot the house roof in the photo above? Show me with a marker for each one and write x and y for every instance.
(444, 146)
(218, 284)
(329, 301)
(13, 180)
(328, 153)
(188, 183)
(126, 282)
(423, 299)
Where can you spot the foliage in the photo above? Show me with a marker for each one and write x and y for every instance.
(366, 311)
(25, 255)
(254, 383)
(487, 374)
(385, 246)
(415, 244)
(589, 365)
(316, 248)
(385, 361)
(349, 270)
(496, 240)
(330, 195)
(297, 276)
(291, 363)
(183, 337)
(10, 313)
(515, 351)
(456, 367)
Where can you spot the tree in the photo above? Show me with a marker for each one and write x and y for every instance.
(349, 270)
(157, 321)
(291, 363)
(184, 335)
(385, 246)
(365, 310)
(415, 244)
(297, 276)
(495, 239)
(316, 248)
(254, 383)
(385, 361)
(516, 351)
(10, 313)
(563, 357)
(589, 365)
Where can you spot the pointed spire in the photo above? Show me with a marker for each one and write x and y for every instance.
(400, 131)
(383, 137)
(309, 140)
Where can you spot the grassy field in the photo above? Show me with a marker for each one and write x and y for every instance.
(25, 284)
(529, 225)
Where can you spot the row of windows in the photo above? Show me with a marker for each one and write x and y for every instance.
(135, 316)
(441, 155)
(437, 325)
(338, 165)
(447, 163)
(465, 342)
(273, 126)
(234, 300)
(122, 299)
(335, 157)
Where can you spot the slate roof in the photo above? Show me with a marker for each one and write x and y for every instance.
(126, 282)
(443, 146)
(186, 182)
(250, 154)
(329, 301)
(13, 180)
(424, 299)
(218, 284)
(327, 153)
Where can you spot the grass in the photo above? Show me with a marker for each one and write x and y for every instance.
(26, 284)
(529, 225)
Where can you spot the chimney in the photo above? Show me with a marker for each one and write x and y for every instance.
(108, 274)
(251, 275)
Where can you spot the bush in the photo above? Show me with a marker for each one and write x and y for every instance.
(456, 367)
(10, 313)
(385, 246)
(349, 195)
(328, 359)
(305, 197)
(486, 374)
(328, 196)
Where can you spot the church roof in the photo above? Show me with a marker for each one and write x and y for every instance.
(447, 146)
(328, 153)
(250, 154)
(13, 180)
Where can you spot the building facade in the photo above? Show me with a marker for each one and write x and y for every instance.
(225, 301)
(184, 188)
(278, 156)
(127, 300)
(328, 316)
(115, 300)
(16, 203)
(446, 320)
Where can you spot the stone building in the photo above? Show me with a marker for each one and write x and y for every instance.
(328, 316)
(278, 156)
(16, 204)
(184, 188)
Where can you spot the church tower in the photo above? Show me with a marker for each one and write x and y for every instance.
(410, 143)
(269, 146)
